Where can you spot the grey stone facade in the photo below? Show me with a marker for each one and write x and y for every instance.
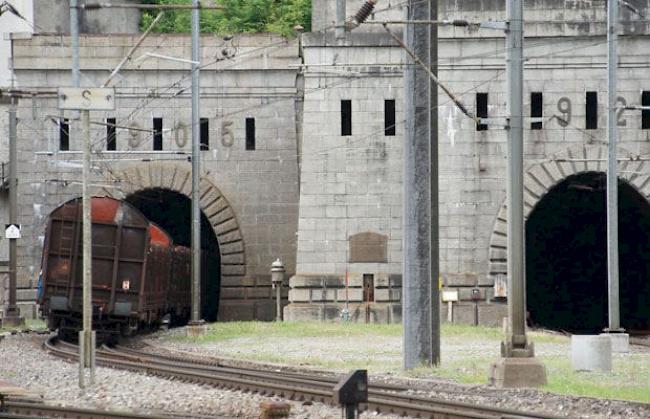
(349, 188)
(307, 189)
(250, 197)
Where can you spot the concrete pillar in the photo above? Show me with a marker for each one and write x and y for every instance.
(591, 353)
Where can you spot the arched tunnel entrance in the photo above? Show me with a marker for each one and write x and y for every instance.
(566, 257)
(173, 212)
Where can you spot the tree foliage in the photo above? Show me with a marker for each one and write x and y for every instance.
(239, 16)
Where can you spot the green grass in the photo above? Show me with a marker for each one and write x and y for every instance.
(218, 332)
(630, 379)
(32, 324)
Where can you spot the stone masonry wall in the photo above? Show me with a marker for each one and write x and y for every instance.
(255, 190)
(564, 60)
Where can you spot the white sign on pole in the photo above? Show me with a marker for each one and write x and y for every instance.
(12, 231)
(87, 98)
(449, 295)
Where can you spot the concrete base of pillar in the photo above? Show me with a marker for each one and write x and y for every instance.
(12, 319)
(518, 373)
(591, 353)
(620, 342)
(196, 329)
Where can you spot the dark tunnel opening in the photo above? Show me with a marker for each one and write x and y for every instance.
(173, 212)
(566, 257)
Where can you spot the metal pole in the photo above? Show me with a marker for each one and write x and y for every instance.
(88, 355)
(416, 267)
(340, 19)
(515, 75)
(278, 307)
(612, 178)
(86, 336)
(435, 247)
(12, 315)
(74, 40)
(196, 159)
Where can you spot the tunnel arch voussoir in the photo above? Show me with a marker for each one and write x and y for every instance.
(178, 178)
(541, 177)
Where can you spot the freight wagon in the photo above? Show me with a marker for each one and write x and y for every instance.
(138, 276)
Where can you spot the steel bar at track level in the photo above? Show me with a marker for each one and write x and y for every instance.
(23, 409)
(196, 168)
(612, 176)
(317, 386)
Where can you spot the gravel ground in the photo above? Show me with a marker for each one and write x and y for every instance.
(25, 364)
(383, 353)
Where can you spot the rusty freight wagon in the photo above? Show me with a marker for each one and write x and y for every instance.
(133, 263)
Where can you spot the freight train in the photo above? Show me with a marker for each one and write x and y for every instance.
(140, 279)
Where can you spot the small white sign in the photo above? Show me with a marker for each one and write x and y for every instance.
(12, 231)
(87, 98)
(450, 295)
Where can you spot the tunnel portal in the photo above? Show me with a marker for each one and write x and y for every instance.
(566, 257)
(173, 212)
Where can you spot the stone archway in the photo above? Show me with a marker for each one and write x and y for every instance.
(539, 178)
(177, 177)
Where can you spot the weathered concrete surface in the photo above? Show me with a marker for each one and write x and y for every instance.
(518, 373)
(591, 353)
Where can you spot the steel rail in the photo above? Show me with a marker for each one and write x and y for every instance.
(30, 410)
(382, 398)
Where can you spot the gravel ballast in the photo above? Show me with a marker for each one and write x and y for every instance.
(25, 364)
(299, 352)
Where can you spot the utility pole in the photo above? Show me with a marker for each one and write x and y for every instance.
(435, 218)
(196, 169)
(620, 342)
(419, 287)
(518, 366)
(12, 315)
(87, 335)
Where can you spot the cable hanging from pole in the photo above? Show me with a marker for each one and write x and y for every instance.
(362, 15)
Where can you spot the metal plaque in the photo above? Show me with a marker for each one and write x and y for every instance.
(450, 296)
(12, 231)
(87, 98)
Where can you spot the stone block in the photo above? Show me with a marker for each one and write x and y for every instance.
(492, 314)
(28, 294)
(299, 295)
(459, 279)
(265, 310)
(620, 342)
(395, 280)
(302, 312)
(591, 353)
(228, 293)
(464, 313)
(518, 373)
(258, 292)
(322, 295)
(468, 294)
(236, 310)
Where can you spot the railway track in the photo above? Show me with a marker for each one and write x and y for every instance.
(23, 409)
(382, 398)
